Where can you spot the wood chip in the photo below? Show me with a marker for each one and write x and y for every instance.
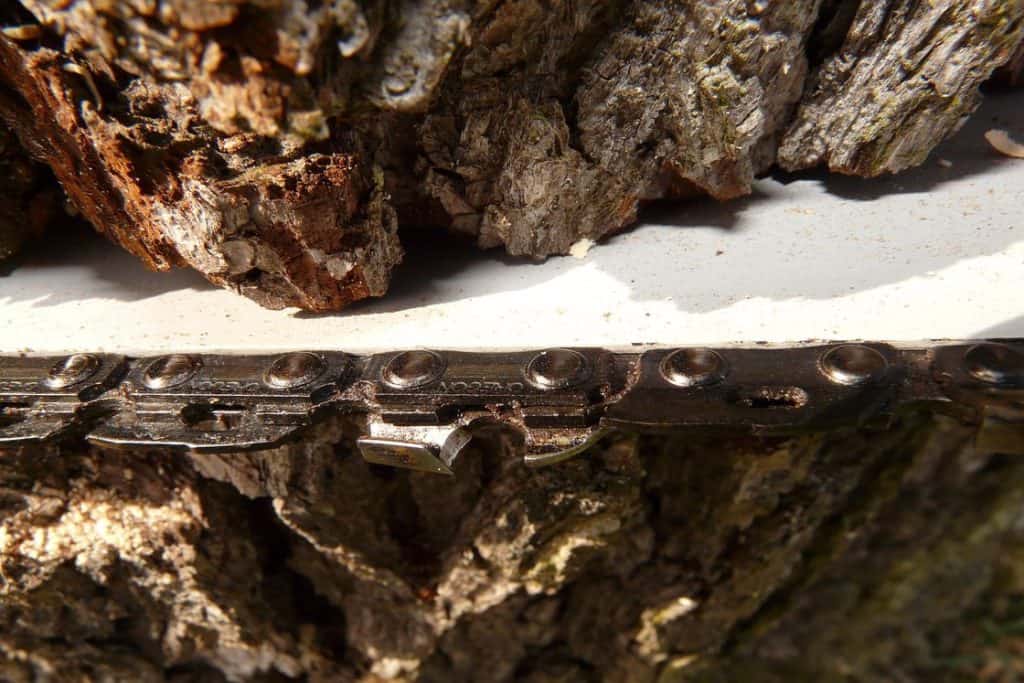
(580, 248)
(1004, 144)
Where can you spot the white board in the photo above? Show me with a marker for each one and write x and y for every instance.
(935, 253)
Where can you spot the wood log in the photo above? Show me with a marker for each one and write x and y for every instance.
(854, 555)
(276, 146)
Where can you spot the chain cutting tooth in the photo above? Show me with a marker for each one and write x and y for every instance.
(425, 448)
(545, 447)
(426, 401)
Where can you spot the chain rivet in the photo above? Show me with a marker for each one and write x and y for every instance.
(412, 369)
(853, 364)
(294, 370)
(995, 364)
(75, 368)
(170, 371)
(693, 367)
(556, 369)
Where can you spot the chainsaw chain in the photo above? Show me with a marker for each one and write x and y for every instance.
(422, 406)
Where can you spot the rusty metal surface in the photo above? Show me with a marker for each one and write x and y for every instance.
(421, 407)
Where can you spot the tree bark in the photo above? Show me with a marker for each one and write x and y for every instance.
(276, 146)
(855, 555)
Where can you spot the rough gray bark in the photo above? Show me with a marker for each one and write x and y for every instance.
(904, 77)
(853, 555)
(274, 146)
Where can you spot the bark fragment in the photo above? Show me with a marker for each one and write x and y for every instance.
(145, 163)
(905, 77)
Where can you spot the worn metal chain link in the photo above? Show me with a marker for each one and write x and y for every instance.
(422, 406)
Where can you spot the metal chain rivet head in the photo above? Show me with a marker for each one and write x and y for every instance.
(294, 370)
(693, 367)
(995, 364)
(412, 369)
(557, 369)
(72, 370)
(853, 364)
(170, 371)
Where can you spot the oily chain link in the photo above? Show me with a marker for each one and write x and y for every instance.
(421, 405)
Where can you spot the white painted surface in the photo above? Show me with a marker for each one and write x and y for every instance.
(934, 253)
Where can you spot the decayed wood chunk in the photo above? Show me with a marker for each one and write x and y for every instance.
(309, 230)
(276, 146)
(850, 555)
